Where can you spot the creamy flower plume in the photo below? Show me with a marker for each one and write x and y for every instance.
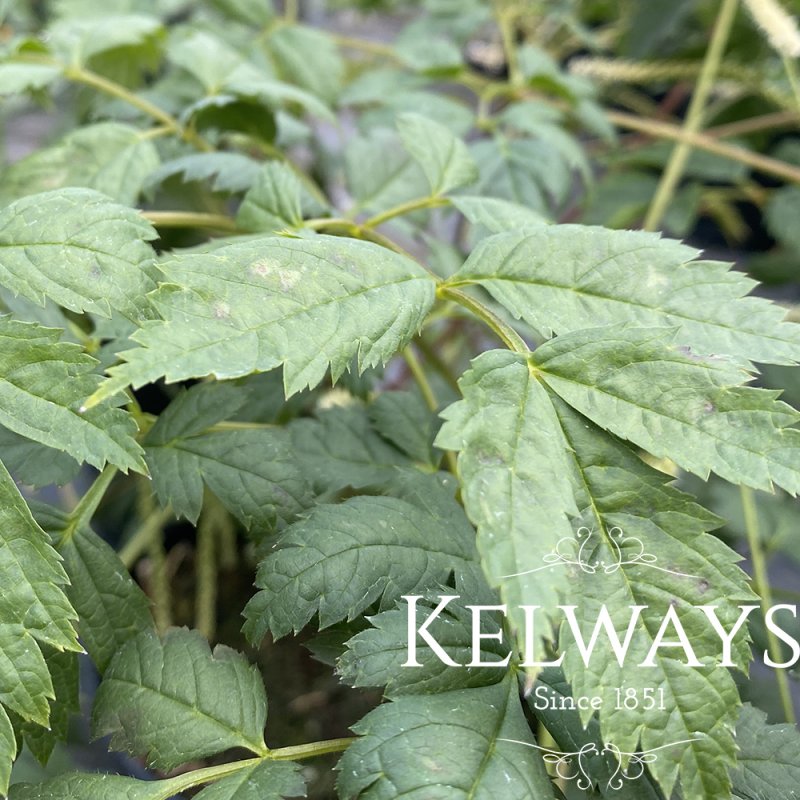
(779, 26)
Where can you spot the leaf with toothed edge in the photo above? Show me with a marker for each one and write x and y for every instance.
(306, 303)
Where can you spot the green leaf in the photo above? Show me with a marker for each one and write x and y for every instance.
(111, 607)
(380, 172)
(174, 701)
(42, 383)
(109, 157)
(406, 421)
(515, 477)
(562, 278)
(34, 611)
(308, 58)
(273, 202)
(78, 40)
(769, 758)
(33, 463)
(340, 448)
(375, 657)
(497, 215)
(269, 780)
(227, 172)
(252, 471)
(343, 558)
(638, 384)
(781, 216)
(460, 744)
(95, 786)
(78, 248)
(304, 303)
(444, 158)
(250, 12)
(16, 78)
(645, 544)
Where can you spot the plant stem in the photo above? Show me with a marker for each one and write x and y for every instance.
(87, 505)
(504, 331)
(762, 587)
(764, 122)
(366, 46)
(138, 542)
(434, 359)
(694, 115)
(505, 23)
(665, 130)
(291, 10)
(300, 751)
(95, 81)
(190, 219)
(406, 208)
(205, 615)
(794, 81)
(160, 592)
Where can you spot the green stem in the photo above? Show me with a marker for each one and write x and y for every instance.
(503, 330)
(694, 115)
(190, 219)
(133, 549)
(438, 364)
(101, 84)
(291, 10)
(505, 23)
(421, 378)
(366, 46)
(300, 751)
(206, 568)
(87, 505)
(665, 130)
(794, 81)
(762, 587)
(160, 592)
(406, 208)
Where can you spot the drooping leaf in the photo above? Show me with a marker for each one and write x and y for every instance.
(405, 420)
(497, 215)
(42, 384)
(563, 278)
(781, 216)
(343, 558)
(175, 701)
(109, 157)
(94, 786)
(768, 764)
(304, 303)
(443, 157)
(273, 202)
(78, 248)
(269, 780)
(513, 463)
(18, 77)
(253, 472)
(646, 544)
(638, 384)
(35, 464)
(452, 746)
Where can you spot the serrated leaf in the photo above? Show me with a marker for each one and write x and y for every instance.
(380, 172)
(497, 215)
(629, 511)
(34, 611)
(78, 248)
(524, 171)
(109, 157)
(444, 158)
(304, 303)
(111, 607)
(375, 657)
(42, 384)
(253, 472)
(227, 112)
(175, 701)
(22, 77)
(308, 58)
(450, 746)
(95, 786)
(514, 469)
(273, 202)
(226, 172)
(405, 420)
(768, 764)
(563, 278)
(269, 780)
(638, 384)
(35, 464)
(341, 559)
(340, 448)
